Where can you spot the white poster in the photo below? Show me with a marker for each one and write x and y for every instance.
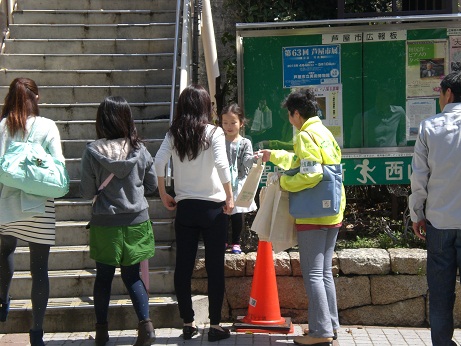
(418, 110)
(330, 100)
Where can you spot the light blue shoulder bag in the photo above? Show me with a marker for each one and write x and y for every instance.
(324, 199)
(28, 167)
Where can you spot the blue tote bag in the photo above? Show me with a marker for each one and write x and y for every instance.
(324, 199)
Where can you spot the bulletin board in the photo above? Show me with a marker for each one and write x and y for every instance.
(375, 80)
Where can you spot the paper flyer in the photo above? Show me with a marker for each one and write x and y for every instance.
(427, 64)
(418, 110)
(455, 53)
(329, 99)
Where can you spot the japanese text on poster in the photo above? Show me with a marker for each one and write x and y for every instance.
(311, 65)
(418, 110)
(426, 65)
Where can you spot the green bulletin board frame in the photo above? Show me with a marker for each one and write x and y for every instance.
(380, 91)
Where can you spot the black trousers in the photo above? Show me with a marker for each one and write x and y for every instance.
(195, 218)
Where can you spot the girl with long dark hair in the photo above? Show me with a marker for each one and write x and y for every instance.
(203, 198)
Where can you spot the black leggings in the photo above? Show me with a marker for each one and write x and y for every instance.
(237, 221)
(40, 291)
(133, 283)
(195, 218)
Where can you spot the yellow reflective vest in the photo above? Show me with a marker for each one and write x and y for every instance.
(313, 142)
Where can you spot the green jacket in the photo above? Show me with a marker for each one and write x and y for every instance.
(324, 150)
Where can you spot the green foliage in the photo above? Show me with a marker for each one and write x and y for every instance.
(230, 67)
(253, 11)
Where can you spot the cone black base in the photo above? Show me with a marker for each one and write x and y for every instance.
(285, 328)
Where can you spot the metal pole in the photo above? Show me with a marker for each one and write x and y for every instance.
(209, 48)
(11, 5)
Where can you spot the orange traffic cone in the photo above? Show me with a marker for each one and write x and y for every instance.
(264, 308)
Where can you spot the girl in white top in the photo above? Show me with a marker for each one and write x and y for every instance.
(241, 159)
(203, 198)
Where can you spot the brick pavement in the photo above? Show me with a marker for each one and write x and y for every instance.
(347, 336)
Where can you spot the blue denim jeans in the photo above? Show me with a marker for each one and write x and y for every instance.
(443, 260)
(315, 254)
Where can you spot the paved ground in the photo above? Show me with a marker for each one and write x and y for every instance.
(347, 336)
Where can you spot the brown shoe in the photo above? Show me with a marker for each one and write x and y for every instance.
(309, 340)
(335, 333)
(146, 333)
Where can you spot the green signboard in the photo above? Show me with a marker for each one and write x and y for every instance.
(374, 84)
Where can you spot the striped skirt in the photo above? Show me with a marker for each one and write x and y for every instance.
(36, 229)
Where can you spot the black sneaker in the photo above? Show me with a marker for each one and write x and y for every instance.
(216, 334)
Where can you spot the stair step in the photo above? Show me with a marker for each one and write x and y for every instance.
(73, 151)
(87, 128)
(92, 31)
(78, 257)
(77, 314)
(95, 4)
(93, 16)
(84, 93)
(75, 233)
(85, 111)
(79, 209)
(88, 46)
(80, 282)
(91, 77)
(85, 61)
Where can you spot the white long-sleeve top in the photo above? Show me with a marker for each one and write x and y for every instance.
(201, 178)
(436, 177)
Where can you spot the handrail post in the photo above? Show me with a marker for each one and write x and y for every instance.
(11, 5)
(184, 76)
(209, 50)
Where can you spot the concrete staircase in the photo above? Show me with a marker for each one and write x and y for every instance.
(79, 52)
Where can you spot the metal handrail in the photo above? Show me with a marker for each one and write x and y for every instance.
(175, 63)
(185, 76)
(184, 51)
(11, 5)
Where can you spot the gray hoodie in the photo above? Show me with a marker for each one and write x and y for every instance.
(122, 201)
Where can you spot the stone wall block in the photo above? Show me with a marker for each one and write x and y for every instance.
(295, 265)
(297, 315)
(238, 291)
(335, 264)
(250, 258)
(393, 288)
(457, 308)
(199, 268)
(352, 291)
(234, 265)
(364, 261)
(292, 294)
(282, 264)
(408, 261)
(408, 313)
(199, 286)
(281, 260)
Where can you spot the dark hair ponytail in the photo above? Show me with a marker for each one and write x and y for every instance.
(20, 103)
